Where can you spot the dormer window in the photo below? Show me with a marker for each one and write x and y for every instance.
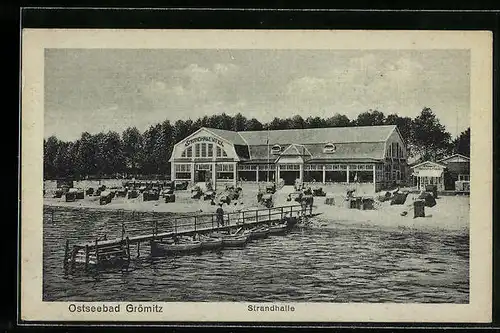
(276, 149)
(329, 148)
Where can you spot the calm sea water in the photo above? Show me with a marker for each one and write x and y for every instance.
(332, 262)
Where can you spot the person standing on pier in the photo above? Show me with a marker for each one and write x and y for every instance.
(240, 217)
(303, 206)
(220, 216)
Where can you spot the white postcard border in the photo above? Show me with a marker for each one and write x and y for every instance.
(34, 41)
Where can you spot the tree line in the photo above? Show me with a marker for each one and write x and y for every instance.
(147, 153)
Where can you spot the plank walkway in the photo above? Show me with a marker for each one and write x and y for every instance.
(234, 220)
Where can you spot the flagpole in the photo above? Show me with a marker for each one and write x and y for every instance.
(268, 153)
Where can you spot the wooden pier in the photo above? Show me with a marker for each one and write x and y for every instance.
(135, 233)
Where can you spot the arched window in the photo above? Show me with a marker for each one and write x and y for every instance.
(188, 152)
(221, 152)
(276, 149)
(329, 148)
(204, 150)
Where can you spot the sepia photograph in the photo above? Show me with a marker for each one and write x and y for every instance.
(244, 170)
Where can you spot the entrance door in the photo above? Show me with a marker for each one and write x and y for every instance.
(203, 176)
(200, 176)
(289, 177)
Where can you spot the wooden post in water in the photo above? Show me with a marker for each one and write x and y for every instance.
(151, 247)
(138, 245)
(128, 248)
(96, 252)
(156, 227)
(195, 223)
(282, 213)
(269, 212)
(66, 252)
(86, 256)
(256, 216)
(73, 256)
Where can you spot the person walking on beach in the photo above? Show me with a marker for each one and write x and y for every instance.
(220, 216)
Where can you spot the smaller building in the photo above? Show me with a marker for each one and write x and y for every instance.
(457, 175)
(449, 174)
(428, 173)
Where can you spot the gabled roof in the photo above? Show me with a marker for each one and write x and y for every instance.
(295, 150)
(453, 156)
(428, 162)
(319, 135)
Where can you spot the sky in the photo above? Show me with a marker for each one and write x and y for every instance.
(98, 90)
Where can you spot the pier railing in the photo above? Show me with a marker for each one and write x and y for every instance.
(137, 232)
(202, 222)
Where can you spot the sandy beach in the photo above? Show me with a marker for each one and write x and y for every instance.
(450, 213)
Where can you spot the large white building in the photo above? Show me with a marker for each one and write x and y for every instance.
(365, 154)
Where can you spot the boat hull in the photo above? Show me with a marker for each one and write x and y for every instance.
(235, 241)
(259, 233)
(178, 248)
(278, 229)
(211, 244)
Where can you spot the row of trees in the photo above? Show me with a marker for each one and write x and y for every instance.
(147, 153)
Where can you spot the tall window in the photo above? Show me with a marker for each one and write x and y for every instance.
(210, 152)
(197, 150)
(203, 150)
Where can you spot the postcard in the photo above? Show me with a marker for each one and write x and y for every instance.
(256, 176)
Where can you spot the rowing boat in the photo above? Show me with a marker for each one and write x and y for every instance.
(211, 243)
(261, 232)
(180, 247)
(278, 229)
(235, 240)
